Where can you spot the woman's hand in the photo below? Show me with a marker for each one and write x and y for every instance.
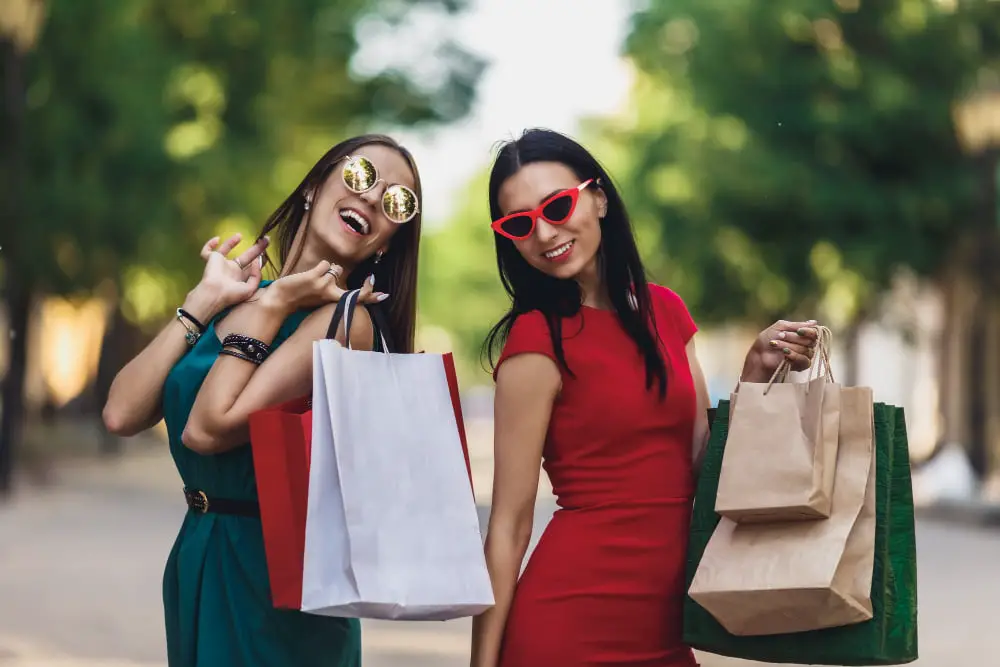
(313, 288)
(791, 341)
(230, 281)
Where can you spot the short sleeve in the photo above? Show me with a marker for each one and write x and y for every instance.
(529, 335)
(677, 311)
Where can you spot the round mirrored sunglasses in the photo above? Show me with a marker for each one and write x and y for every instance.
(399, 203)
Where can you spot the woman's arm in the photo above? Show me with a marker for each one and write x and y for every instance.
(234, 388)
(133, 403)
(134, 400)
(701, 425)
(527, 386)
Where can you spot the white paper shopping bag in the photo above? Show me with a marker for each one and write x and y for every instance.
(391, 530)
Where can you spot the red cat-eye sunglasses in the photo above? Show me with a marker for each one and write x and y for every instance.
(557, 209)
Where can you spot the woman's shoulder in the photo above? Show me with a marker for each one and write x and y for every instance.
(674, 308)
(529, 334)
(531, 323)
(666, 296)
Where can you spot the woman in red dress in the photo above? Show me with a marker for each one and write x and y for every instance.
(598, 382)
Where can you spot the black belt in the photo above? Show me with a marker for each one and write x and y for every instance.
(198, 502)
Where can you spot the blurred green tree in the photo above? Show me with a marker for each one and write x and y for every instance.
(797, 153)
(147, 125)
(460, 290)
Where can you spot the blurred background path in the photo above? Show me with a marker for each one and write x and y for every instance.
(81, 561)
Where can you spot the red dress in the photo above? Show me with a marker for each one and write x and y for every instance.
(605, 585)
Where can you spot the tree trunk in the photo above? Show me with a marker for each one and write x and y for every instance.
(17, 299)
(990, 361)
(960, 302)
(976, 381)
(17, 287)
(117, 348)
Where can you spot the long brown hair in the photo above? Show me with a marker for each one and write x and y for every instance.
(396, 274)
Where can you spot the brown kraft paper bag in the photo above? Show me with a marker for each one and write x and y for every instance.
(781, 453)
(762, 579)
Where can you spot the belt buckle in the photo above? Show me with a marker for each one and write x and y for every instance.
(199, 502)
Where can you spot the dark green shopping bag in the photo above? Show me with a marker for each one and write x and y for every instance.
(890, 638)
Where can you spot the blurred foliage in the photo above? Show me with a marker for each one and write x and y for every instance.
(796, 153)
(779, 159)
(154, 124)
(460, 288)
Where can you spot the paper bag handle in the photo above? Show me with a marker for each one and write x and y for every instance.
(382, 339)
(822, 359)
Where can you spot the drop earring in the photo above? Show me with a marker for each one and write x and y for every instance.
(378, 257)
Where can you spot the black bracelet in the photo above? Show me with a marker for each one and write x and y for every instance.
(239, 355)
(191, 318)
(255, 349)
(191, 333)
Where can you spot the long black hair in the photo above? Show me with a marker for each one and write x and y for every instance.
(397, 272)
(620, 266)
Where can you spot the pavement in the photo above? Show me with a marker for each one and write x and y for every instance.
(81, 562)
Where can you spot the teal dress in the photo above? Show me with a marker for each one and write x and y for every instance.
(216, 594)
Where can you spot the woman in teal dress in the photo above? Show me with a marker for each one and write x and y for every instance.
(239, 345)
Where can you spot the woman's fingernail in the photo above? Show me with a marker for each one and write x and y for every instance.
(381, 297)
(371, 280)
(801, 332)
(786, 350)
(781, 335)
(773, 343)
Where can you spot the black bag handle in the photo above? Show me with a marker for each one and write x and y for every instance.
(380, 327)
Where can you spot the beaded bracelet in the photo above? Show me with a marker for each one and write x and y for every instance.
(249, 349)
(238, 355)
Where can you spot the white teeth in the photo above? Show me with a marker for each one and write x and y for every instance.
(561, 250)
(353, 216)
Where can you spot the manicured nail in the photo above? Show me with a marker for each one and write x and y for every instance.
(781, 335)
(371, 280)
(786, 350)
(801, 332)
(381, 297)
(773, 343)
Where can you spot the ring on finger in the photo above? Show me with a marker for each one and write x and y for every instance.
(334, 271)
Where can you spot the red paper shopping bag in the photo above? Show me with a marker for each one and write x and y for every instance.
(280, 438)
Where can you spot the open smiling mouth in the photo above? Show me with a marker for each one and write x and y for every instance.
(355, 222)
(559, 253)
